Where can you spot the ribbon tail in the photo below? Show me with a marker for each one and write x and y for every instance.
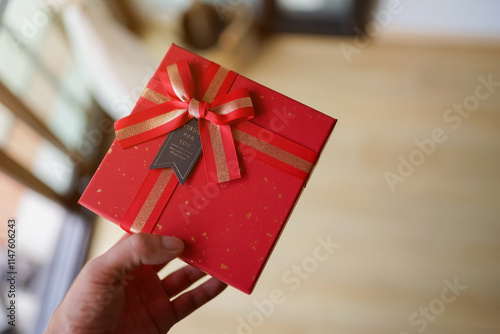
(219, 152)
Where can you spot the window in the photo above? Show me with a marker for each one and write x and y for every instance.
(46, 157)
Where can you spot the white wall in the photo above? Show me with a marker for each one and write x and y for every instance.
(471, 18)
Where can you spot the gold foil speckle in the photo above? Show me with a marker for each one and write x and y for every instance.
(98, 202)
(192, 238)
(269, 235)
(280, 196)
(186, 202)
(188, 213)
(249, 215)
(99, 190)
(265, 179)
(136, 147)
(110, 150)
(223, 266)
(160, 227)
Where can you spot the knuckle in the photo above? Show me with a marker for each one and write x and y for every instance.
(138, 241)
(192, 301)
(143, 243)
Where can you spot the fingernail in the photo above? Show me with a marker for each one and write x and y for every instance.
(172, 243)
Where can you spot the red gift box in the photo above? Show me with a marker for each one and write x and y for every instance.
(229, 228)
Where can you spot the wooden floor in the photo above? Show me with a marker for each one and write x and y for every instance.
(398, 251)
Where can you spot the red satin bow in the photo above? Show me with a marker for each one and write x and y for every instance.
(215, 112)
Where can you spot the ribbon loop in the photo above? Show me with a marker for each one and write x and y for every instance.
(181, 105)
(177, 81)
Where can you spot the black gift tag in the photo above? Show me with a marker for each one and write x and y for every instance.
(180, 150)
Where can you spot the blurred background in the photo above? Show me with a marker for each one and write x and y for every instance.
(408, 186)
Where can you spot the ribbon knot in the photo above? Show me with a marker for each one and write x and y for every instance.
(215, 112)
(198, 109)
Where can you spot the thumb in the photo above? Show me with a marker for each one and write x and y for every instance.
(136, 250)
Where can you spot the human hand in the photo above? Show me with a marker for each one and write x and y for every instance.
(120, 291)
